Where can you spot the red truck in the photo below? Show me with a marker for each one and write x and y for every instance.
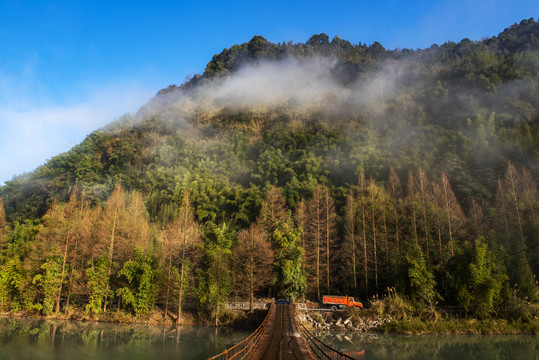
(340, 302)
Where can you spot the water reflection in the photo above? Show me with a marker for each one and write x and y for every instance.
(35, 339)
(461, 347)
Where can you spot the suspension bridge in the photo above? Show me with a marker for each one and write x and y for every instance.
(281, 337)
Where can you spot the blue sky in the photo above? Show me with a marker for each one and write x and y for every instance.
(70, 67)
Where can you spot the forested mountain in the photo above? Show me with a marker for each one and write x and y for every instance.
(300, 169)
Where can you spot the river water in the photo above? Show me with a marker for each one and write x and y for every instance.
(440, 347)
(35, 339)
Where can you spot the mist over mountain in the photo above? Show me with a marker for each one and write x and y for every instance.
(350, 118)
(464, 108)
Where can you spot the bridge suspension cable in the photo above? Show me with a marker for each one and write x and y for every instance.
(246, 347)
(318, 348)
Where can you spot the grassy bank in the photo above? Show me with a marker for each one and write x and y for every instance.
(396, 314)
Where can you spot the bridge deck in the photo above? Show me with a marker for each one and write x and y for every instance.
(282, 340)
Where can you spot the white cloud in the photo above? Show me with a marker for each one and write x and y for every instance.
(31, 134)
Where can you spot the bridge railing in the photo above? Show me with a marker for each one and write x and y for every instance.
(244, 349)
(318, 348)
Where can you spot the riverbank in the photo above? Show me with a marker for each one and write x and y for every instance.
(349, 321)
(231, 318)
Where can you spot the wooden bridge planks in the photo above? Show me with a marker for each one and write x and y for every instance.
(282, 340)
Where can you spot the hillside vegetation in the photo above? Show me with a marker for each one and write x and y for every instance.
(296, 170)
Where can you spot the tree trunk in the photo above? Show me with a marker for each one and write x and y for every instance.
(396, 213)
(365, 261)
(445, 184)
(318, 255)
(512, 177)
(328, 236)
(111, 249)
(179, 319)
(72, 271)
(386, 243)
(374, 244)
(501, 195)
(411, 193)
(168, 287)
(438, 222)
(57, 305)
(218, 298)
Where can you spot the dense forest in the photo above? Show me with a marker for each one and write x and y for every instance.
(296, 170)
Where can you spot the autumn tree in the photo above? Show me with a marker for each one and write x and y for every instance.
(438, 200)
(180, 239)
(350, 245)
(511, 184)
(477, 219)
(374, 206)
(510, 201)
(314, 238)
(530, 197)
(253, 259)
(501, 206)
(111, 236)
(137, 227)
(412, 205)
(72, 217)
(329, 233)
(394, 188)
(273, 210)
(362, 197)
(423, 192)
(452, 210)
(300, 219)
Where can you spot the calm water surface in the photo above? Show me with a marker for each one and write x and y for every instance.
(35, 339)
(443, 347)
